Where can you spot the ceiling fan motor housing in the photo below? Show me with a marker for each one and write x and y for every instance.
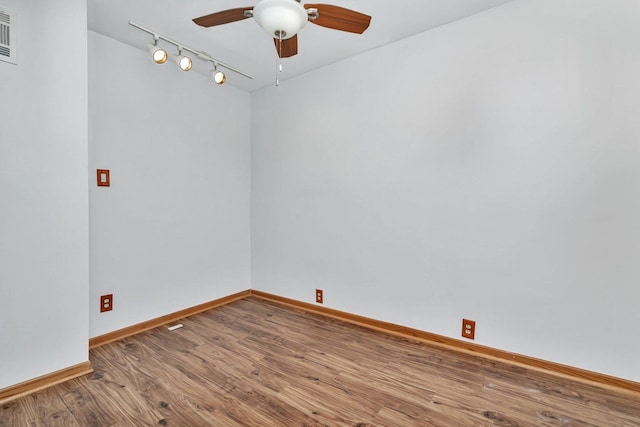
(281, 19)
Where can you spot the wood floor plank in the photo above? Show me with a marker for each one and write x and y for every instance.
(258, 363)
(126, 387)
(45, 408)
(234, 379)
(82, 404)
(11, 412)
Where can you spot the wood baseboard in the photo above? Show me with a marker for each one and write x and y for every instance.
(557, 369)
(553, 368)
(602, 380)
(159, 321)
(45, 381)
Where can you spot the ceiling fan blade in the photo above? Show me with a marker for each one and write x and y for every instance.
(339, 18)
(288, 47)
(223, 17)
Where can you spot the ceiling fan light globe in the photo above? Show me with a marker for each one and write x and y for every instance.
(281, 19)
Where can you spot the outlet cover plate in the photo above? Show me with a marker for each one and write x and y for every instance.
(469, 329)
(106, 303)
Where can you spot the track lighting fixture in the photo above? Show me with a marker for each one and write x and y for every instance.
(158, 54)
(184, 62)
(218, 76)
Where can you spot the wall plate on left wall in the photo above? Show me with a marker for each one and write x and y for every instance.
(103, 178)
(106, 303)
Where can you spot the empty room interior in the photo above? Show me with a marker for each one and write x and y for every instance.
(478, 161)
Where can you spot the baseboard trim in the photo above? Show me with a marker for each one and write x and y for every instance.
(528, 362)
(162, 320)
(44, 381)
(595, 378)
(553, 368)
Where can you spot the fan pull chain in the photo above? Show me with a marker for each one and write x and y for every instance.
(279, 62)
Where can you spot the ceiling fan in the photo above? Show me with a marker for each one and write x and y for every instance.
(282, 19)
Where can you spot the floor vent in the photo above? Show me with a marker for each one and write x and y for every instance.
(7, 36)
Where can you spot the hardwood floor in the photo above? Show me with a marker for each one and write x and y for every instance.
(257, 363)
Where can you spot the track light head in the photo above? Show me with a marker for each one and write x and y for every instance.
(184, 62)
(158, 54)
(217, 76)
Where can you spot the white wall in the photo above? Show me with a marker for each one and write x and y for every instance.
(172, 231)
(488, 169)
(495, 178)
(44, 231)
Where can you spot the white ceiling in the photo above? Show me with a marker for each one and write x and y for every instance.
(245, 46)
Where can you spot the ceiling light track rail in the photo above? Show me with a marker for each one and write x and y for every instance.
(181, 47)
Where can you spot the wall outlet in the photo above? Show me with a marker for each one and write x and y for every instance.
(106, 303)
(319, 296)
(469, 329)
